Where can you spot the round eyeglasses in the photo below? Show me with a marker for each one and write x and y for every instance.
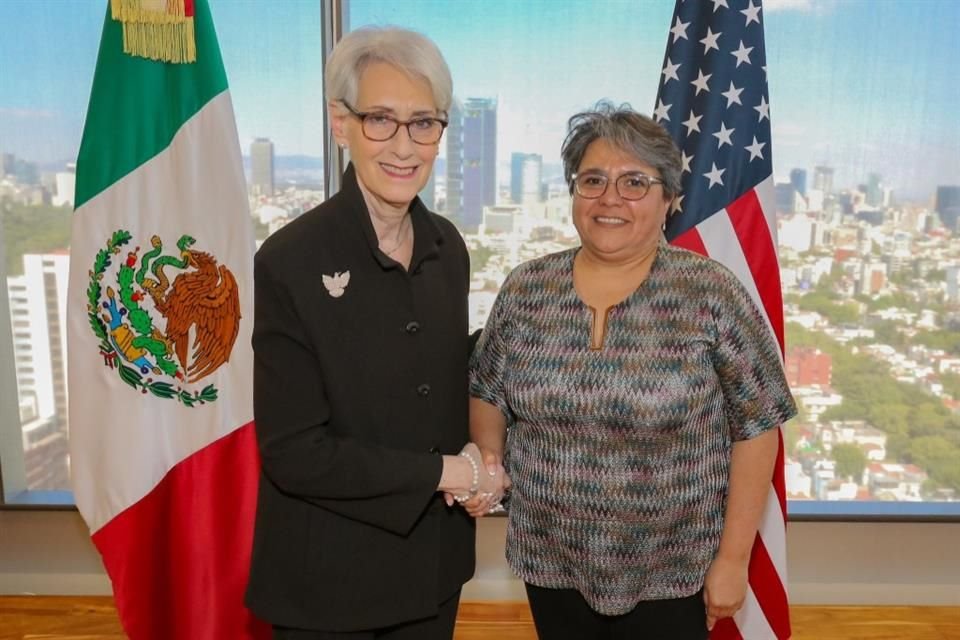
(380, 127)
(630, 186)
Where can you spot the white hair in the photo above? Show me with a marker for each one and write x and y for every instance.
(412, 53)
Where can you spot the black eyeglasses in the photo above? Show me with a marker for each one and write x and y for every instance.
(630, 186)
(380, 127)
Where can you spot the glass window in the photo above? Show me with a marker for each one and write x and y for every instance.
(866, 158)
(866, 154)
(272, 58)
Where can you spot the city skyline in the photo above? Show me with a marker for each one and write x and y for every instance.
(853, 93)
(872, 288)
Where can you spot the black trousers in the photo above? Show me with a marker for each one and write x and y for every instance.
(439, 627)
(563, 614)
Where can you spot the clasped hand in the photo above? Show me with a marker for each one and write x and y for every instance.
(492, 483)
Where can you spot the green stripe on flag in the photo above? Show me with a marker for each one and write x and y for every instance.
(138, 105)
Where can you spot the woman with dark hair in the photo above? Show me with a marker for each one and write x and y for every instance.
(634, 391)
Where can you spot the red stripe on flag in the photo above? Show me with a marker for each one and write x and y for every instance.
(769, 591)
(748, 221)
(753, 232)
(691, 240)
(179, 558)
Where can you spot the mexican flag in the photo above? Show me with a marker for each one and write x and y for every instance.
(163, 454)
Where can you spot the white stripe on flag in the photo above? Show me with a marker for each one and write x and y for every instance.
(773, 532)
(767, 196)
(195, 186)
(722, 244)
(751, 621)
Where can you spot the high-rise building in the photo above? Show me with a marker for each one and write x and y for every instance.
(874, 190)
(797, 232)
(454, 199)
(479, 159)
(65, 183)
(786, 198)
(947, 205)
(501, 218)
(953, 284)
(38, 300)
(429, 193)
(526, 178)
(6, 164)
(873, 217)
(823, 179)
(873, 277)
(261, 167)
(798, 178)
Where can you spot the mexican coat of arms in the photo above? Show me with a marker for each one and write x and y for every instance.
(163, 337)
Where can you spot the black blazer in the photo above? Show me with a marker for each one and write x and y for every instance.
(358, 385)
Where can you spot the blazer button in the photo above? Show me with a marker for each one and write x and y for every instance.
(434, 450)
(424, 390)
(412, 327)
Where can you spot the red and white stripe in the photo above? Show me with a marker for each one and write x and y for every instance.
(743, 237)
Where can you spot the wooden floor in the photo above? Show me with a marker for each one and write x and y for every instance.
(94, 618)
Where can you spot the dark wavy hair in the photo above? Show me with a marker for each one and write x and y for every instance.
(635, 133)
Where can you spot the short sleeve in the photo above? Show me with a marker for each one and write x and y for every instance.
(489, 359)
(747, 360)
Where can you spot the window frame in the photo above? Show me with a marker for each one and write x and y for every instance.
(334, 23)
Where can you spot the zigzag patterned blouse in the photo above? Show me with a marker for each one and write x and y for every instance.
(620, 456)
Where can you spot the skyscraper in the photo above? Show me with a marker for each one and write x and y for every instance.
(261, 167)
(948, 205)
(428, 195)
(953, 284)
(786, 198)
(38, 301)
(526, 171)
(823, 179)
(479, 159)
(6, 164)
(798, 178)
(454, 202)
(65, 184)
(874, 190)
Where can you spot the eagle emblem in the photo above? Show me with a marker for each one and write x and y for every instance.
(337, 283)
(200, 312)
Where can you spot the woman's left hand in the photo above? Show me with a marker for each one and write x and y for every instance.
(724, 588)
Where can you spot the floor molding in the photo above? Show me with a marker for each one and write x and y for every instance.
(94, 618)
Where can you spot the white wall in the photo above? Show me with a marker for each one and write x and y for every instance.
(48, 552)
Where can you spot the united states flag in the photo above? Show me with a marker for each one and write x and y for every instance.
(713, 100)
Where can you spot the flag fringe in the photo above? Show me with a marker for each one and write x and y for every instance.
(156, 29)
(167, 42)
(160, 12)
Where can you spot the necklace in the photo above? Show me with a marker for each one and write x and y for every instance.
(400, 239)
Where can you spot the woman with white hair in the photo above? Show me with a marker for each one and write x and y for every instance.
(360, 379)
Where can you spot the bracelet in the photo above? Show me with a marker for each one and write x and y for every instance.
(475, 486)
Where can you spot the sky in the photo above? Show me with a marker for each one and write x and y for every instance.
(860, 85)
